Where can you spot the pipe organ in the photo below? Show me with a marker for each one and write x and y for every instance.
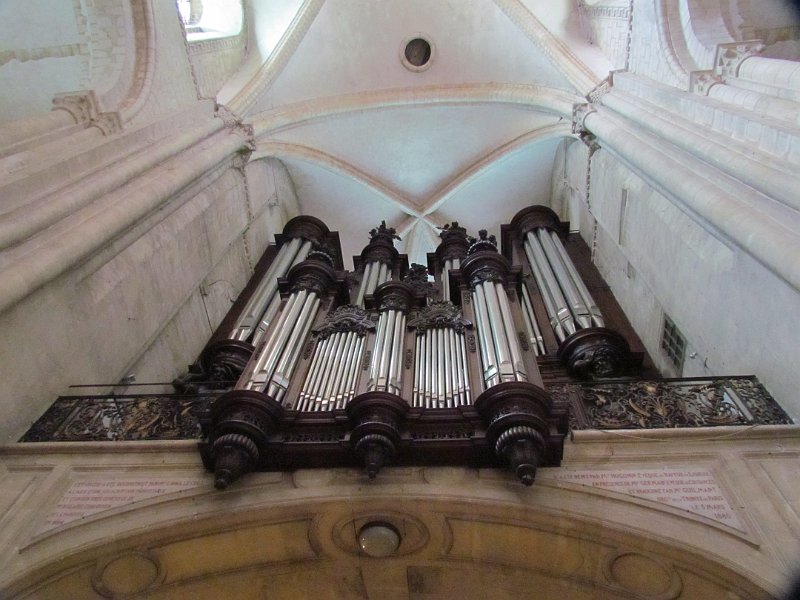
(399, 364)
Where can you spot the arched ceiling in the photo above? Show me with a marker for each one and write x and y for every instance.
(472, 137)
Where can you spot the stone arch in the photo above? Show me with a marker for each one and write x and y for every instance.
(301, 542)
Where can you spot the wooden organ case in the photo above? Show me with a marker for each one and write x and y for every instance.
(397, 365)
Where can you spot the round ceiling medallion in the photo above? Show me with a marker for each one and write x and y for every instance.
(416, 53)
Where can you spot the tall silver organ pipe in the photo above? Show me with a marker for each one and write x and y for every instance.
(501, 354)
(535, 337)
(568, 302)
(264, 302)
(486, 271)
(375, 273)
(278, 356)
(451, 264)
(589, 302)
(275, 303)
(393, 299)
(386, 365)
(557, 308)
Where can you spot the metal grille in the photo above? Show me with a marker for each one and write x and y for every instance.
(673, 344)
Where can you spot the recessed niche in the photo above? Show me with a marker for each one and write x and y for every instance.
(416, 54)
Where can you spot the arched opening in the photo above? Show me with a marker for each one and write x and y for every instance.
(243, 545)
(209, 19)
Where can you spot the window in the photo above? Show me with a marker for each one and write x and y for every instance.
(208, 19)
(673, 344)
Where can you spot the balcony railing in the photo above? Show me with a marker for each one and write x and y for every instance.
(670, 403)
(121, 418)
(609, 404)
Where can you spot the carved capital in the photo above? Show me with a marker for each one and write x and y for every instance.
(454, 243)
(308, 228)
(485, 266)
(346, 319)
(579, 113)
(595, 352)
(700, 82)
(731, 55)
(313, 276)
(535, 217)
(380, 249)
(224, 361)
(394, 295)
(109, 123)
(81, 105)
(439, 314)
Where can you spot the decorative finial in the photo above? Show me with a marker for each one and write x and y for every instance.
(383, 230)
(484, 241)
(451, 228)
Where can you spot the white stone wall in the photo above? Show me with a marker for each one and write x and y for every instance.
(610, 30)
(147, 303)
(734, 313)
(215, 60)
(43, 50)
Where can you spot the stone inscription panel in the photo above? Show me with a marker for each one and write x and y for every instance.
(693, 490)
(84, 498)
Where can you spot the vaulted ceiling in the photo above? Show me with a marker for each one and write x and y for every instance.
(470, 136)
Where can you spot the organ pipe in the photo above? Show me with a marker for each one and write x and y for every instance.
(292, 252)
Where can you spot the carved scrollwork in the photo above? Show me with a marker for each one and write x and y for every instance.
(439, 315)
(659, 404)
(346, 319)
(417, 278)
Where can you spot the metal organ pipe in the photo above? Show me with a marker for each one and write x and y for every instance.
(576, 304)
(560, 317)
(567, 299)
(265, 297)
(534, 333)
(281, 378)
(269, 314)
(594, 311)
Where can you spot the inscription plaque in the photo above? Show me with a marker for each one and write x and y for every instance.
(84, 498)
(693, 490)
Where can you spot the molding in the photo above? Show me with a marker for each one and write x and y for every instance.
(542, 98)
(249, 94)
(286, 150)
(559, 53)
